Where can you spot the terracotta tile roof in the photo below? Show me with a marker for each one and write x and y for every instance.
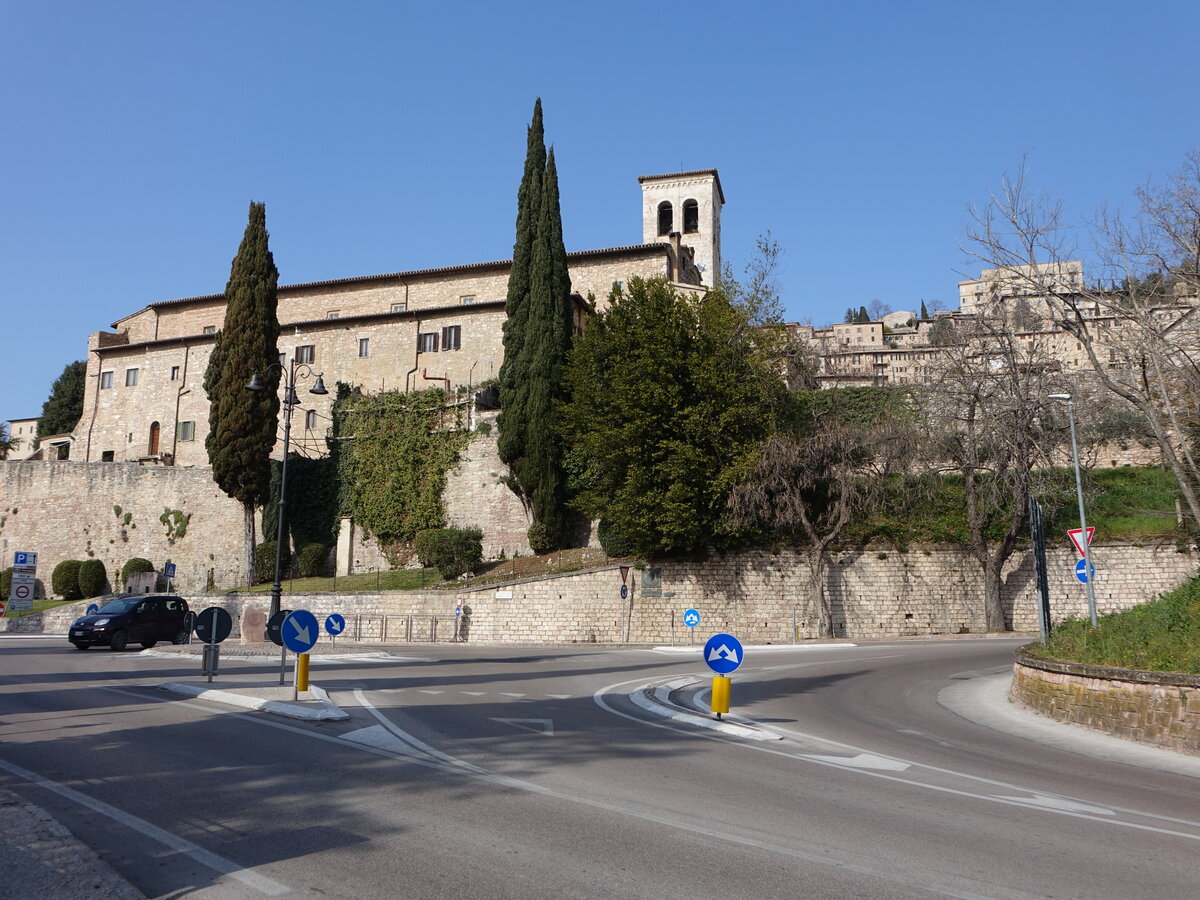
(713, 172)
(632, 249)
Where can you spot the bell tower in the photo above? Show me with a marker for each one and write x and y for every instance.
(689, 204)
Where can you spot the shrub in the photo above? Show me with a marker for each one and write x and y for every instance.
(614, 543)
(5, 583)
(93, 578)
(452, 551)
(313, 559)
(264, 562)
(541, 541)
(135, 566)
(64, 581)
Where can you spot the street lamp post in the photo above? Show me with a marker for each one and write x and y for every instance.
(1087, 556)
(290, 401)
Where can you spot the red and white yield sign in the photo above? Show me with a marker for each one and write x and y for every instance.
(1076, 536)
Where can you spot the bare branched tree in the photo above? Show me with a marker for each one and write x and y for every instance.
(1138, 323)
(987, 419)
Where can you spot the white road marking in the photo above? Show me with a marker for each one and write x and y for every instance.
(413, 742)
(173, 842)
(862, 761)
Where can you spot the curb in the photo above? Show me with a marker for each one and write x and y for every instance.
(657, 700)
(319, 708)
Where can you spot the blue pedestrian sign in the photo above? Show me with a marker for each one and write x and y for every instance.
(1083, 571)
(691, 618)
(169, 570)
(335, 624)
(300, 631)
(723, 653)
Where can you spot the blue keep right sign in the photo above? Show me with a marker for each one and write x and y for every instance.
(723, 653)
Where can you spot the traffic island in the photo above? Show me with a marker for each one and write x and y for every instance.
(312, 704)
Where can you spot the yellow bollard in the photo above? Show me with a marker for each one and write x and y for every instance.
(720, 695)
(302, 672)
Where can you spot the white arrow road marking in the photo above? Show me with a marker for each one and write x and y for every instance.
(862, 761)
(537, 726)
(1061, 803)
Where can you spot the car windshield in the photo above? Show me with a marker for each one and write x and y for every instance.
(124, 605)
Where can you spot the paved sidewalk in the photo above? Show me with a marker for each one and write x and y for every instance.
(40, 859)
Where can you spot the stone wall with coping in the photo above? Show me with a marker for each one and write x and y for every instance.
(761, 598)
(1149, 707)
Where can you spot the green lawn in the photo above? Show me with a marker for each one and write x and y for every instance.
(395, 580)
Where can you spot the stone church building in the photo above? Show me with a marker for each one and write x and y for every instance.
(145, 401)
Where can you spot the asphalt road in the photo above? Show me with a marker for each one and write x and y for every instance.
(532, 772)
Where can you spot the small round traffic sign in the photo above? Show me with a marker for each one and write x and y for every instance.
(1084, 571)
(723, 653)
(299, 631)
(624, 591)
(91, 610)
(274, 626)
(213, 625)
(691, 618)
(335, 624)
(21, 592)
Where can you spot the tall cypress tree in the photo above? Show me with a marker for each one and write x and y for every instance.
(242, 423)
(924, 312)
(537, 335)
(512, 421)
(64, 406)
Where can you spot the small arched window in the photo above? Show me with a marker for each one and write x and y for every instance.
(691, 217)
(666, 218)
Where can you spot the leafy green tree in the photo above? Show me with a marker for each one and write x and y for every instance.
(242, 423)
(64, 406)
(670, 400)
(536, 340)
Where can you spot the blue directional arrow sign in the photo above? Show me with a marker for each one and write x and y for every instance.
(691, 618)
(1082, 573)
(335, 624)
(723, 653)
(300, 631)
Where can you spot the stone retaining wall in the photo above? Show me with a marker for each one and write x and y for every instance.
(1156, 708)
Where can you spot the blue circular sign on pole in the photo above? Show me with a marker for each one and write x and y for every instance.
(723, 653)
(91, 610)
(624, 592)
(335, 624)
(1083, 571)
(691, 618)
(299, 631)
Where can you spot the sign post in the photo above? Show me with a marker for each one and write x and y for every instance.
(299, 632)
(723, 653)
(212, 626)
(691, 618)
(275, 635)
(24, 581)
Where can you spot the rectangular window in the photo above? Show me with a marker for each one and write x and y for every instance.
(306, 354)
(470, 298)
(107, 456)
(397, 307)
(364, 348)
(210, 329)
(427, 342)
(334, 314)
(452, 337)
(131, 377)
(105, 380)
(185, 431)
(282, 360)
(310, 419)
(174, 373)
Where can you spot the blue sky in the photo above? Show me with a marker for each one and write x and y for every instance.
(390, 136)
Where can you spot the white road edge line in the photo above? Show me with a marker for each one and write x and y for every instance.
(656, 700)
(415, 743)
(174, 842)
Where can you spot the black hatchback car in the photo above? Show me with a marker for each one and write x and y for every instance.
(142, 619)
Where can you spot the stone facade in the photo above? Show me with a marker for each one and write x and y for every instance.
(64, 510)
(1149, 707)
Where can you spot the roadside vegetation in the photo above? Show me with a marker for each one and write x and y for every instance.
(1160, 636)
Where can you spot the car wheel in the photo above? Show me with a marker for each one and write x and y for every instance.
(146, 645)
(119, 640)
(181, 637)
(79, 646)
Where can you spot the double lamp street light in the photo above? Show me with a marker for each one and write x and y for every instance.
(290, 402)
